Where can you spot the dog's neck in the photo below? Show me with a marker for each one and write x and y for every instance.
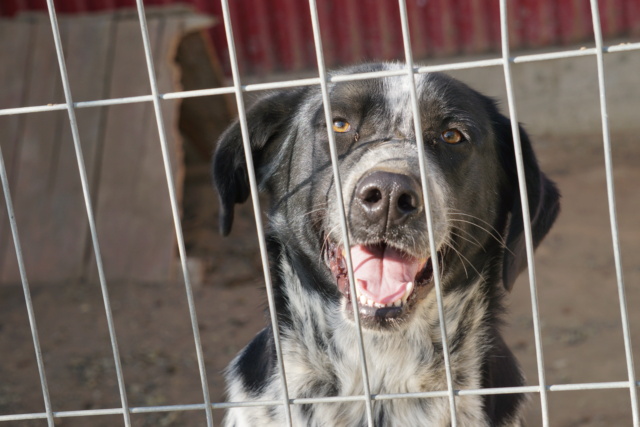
(324, 345)
(322, 356)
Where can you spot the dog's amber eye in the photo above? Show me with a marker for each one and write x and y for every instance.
(341, 126)
(452, 136)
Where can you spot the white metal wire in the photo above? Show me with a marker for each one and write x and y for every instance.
(323, 80)
(328, 116)
(322, 400)
(625, 47)
(611, 198)
(246, 142)
(90, 216)
(175, 211)
(524, 201)
(27, 292)
(417, 119)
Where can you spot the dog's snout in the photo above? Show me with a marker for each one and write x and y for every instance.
(388, 197)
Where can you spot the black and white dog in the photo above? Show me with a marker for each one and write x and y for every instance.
(478, 231)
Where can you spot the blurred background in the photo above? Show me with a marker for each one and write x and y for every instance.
(557, 102)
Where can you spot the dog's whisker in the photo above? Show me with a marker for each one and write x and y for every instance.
(473, 242)
(312, 211)
(488, 231)
(466, 259)
(457, 212)
(327, 237)
(467, 233)
(500, 241)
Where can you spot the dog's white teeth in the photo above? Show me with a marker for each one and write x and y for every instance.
(363, 300)
(409, 288)
(407, 292)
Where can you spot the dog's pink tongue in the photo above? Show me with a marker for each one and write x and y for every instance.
(382, 273)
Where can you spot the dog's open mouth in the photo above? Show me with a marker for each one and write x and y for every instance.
(388, 279)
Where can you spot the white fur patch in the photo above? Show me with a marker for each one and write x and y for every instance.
(402, 361)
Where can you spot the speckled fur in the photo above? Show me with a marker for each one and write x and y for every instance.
(475, 207)
(397, 363)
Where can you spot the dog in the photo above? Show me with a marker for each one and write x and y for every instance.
(477, 229)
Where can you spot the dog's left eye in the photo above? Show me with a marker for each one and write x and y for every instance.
(341, 126)
(452, 136)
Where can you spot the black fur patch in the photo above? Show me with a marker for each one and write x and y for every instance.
(501, 370)
(258, 362)
(478, 231)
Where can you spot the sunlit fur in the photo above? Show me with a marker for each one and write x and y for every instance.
(475, 206)
(401, 362)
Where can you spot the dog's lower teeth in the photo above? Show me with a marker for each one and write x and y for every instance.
(364, 301)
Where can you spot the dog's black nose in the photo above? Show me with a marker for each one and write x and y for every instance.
(389, 196)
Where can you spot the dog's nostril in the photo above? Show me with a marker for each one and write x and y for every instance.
(407, 203)
(388, 197)
(372, 196)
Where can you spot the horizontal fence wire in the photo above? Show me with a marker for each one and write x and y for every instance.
(287, 84)
(323, 80)
(324, 400)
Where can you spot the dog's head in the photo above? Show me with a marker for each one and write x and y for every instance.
(471, 179)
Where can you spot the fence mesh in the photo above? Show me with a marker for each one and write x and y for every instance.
(324, 81)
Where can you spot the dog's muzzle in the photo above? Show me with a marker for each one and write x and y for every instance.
(389, 277)
(387, 198)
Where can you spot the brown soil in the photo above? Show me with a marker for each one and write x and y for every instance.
(578, 300)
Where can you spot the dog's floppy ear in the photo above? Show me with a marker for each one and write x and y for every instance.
(267, 118)
(543, 196)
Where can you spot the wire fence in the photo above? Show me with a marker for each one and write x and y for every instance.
(324, 81)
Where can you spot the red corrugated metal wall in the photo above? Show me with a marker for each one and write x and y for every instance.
(275, 35)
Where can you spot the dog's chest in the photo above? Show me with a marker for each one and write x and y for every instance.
(394, 365)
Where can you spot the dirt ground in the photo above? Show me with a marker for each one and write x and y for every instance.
(578, 300)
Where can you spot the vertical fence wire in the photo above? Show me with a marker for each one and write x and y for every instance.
(417, 118)
(90, 216)
(27, 292)
(324, 80)
(524, 200)
(166, 159)
(611, 198)
(341, 210)
(246, 142)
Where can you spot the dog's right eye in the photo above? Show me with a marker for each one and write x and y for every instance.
(341, 126)
(452, 136)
